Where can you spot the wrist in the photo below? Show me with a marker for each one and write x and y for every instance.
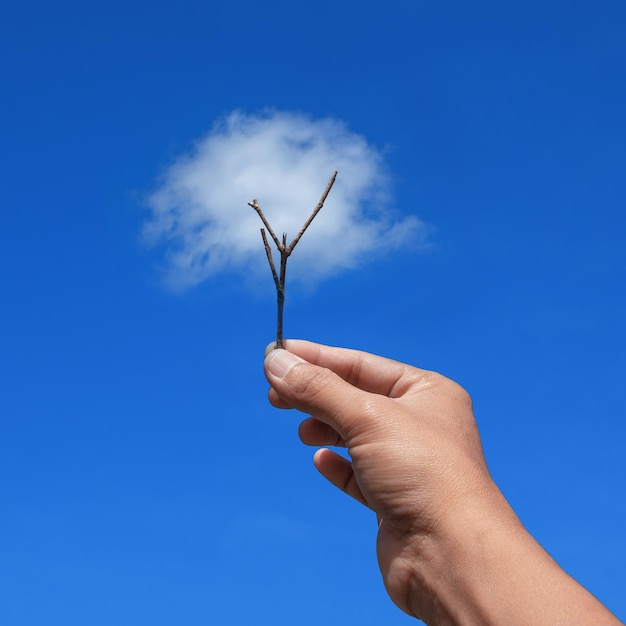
(481, 566)
(451, 563)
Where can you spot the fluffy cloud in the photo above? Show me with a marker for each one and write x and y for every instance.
(200, 211)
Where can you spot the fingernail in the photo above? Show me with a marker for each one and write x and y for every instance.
(280, 362)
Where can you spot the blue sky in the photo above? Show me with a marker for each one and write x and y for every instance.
(144, 477)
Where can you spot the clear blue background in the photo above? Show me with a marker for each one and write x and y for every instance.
(144, 479)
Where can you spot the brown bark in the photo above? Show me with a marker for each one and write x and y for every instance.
(285, 251)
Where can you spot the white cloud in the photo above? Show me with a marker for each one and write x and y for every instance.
(285, 160)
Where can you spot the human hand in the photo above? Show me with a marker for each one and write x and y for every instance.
(415, 450)
(450, 549)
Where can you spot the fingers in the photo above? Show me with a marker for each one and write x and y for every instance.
(339, 472)
(315, 433)
(366, 371)
(319, 392)
(276, 400)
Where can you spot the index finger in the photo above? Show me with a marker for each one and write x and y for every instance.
(369, 372)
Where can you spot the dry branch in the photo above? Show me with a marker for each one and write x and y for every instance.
(285, 250)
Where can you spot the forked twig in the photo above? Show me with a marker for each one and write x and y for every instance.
(285, 251)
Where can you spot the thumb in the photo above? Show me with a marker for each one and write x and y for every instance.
(318, 391)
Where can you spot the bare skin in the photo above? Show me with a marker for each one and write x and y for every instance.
(450, 548)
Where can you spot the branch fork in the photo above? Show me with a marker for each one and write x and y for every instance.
(285, 251)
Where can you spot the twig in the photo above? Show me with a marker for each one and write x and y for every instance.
(316, 210)
(268, 252)
(255, 205)
(285, 250)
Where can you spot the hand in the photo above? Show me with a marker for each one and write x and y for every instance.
(449, 547)
(411, 435)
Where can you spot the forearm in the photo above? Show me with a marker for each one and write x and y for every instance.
(482, 567)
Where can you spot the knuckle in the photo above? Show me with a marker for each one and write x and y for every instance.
(454, 391)
(309, 382)
(461, 395)
(354, 373)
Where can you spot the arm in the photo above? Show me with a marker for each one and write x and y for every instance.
(450, 549)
